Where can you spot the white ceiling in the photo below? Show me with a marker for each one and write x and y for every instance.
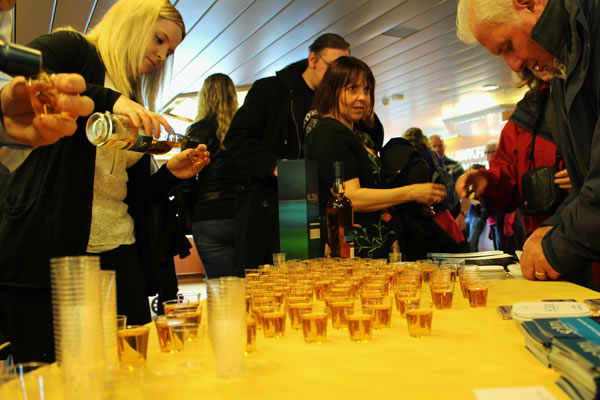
(248, 40)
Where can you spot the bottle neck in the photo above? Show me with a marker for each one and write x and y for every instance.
(338, 187)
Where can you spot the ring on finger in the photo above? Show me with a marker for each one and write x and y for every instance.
(538, 273)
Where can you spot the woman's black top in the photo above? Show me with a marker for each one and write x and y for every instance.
(331, 141)
(211, 194)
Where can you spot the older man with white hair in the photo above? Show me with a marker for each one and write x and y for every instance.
(561, 37)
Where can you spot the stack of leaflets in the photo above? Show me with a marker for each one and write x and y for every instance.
(494, 257)
(571, 346)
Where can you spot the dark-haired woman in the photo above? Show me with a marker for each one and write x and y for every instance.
(346, 96)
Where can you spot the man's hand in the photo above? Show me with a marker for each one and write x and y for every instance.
(533, 262)
(22, 125)
(471, 181)
(460, 221)
(561, 178)
(189, 162)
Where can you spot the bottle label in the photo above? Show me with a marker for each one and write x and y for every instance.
(141, 144)
(348, 234)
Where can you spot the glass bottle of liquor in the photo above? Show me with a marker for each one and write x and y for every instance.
(340, 217)
(110, 130)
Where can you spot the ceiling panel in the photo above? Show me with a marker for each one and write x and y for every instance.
(73, 13)
(251, 39)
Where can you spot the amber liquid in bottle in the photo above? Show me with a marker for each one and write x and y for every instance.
(109, 130)
(340, 217)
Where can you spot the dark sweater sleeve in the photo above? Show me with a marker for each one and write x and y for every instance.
(244, 140)
(329, 142)
(69, 52)
(376, 131)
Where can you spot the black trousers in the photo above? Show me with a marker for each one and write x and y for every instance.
(26, 313)
(132, 296)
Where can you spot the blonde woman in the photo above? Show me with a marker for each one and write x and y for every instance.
(71, 198)
(211, 196)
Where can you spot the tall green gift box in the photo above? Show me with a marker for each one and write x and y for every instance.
(299, 229)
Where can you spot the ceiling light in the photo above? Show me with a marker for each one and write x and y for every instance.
(489, 88)
(400, 31)
(385, 101)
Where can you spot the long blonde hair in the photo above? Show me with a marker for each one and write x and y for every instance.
(219, 98)
(122, 37)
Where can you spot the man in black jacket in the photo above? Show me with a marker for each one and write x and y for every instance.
(268, 128)
(562, 38)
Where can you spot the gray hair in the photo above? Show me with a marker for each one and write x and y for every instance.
(488, 12)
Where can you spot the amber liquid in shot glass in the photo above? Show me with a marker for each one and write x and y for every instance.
(442, 296)
(43, 94)
(273, 324)
(250, 335)
(314, 327)
(360, 327)
(406, 303)
(382, 315)
(165, 335)
(419, 322)
(295, 312)
(477, 296)
(339, 312)
(133, 346)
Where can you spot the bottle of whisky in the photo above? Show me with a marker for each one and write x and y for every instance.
(340, 217)
(110, 130)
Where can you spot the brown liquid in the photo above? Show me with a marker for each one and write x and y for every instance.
(419, 322)
(43, 95)
(295, 312)
(442, 298)
(250, 335)
(406, 303)
(273, 324)
(339, 310)
(360, 327)
(314, 327)
(477, 296)
(382, 316)
(133, 346)
(165, 337)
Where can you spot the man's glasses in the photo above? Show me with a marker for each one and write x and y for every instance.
(328, 63)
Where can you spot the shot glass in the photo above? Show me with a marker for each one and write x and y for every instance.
(278, 259)
(170, 306)
(314, 327)
(442, 288)
(360, 326)
(477, 292)
(295, 312)
(133, 346)
(121, 321)
(250, 335)
(273, 323)
(407, 299)
(165, 335)
(43, 94)
(395, 258)
(382, 314)
(419, 319)
(339, 312)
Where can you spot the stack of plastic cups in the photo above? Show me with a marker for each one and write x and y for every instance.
(227, 324)
(78, 335)
(108, 298)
